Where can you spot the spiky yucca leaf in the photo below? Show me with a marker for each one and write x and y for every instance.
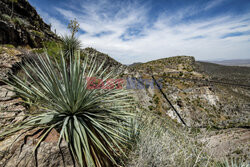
(234, 163)
(87, 119)
(70, 44)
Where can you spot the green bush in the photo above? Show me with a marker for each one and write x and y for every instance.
(19, 21)
(9, 46)
(5, 17)
(38, 33)
(37, 24)
(52, 48)
(150, 107)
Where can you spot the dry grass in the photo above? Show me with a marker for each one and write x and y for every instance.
(162, 143)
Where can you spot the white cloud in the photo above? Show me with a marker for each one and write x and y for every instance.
(160, 38)
(57, 26)
(212, 4)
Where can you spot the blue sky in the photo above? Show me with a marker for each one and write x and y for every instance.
(143, 30)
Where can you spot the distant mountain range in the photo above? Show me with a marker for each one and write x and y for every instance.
(235, 62)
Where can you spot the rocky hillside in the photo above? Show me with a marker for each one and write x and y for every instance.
(232, 74)
(223, 110)
(201, 103)
(102, 57)
(9, 57)
(20, 24)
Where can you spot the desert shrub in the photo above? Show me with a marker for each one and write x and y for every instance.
(6, 17)
(156, 99)
(9, 46)
(150, 107)
(93, 122)
(19, 21)
(38, 33)
(52, 48)
(37, 24)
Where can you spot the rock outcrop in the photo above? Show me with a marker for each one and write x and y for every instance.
(18, 150)
(20, 24)
(9, 59)
(21, 153)
(101, 57)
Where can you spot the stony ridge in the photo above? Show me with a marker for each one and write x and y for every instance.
(22, 25)
(201, 103)
(102, 57)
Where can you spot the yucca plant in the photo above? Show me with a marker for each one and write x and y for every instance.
(89, 120)
(70, 45)
(234, 163)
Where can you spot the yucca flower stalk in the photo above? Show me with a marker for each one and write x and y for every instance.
(89, 120)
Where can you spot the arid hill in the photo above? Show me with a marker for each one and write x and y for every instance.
(20, 24)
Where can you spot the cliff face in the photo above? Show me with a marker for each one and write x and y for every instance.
(20, 24)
